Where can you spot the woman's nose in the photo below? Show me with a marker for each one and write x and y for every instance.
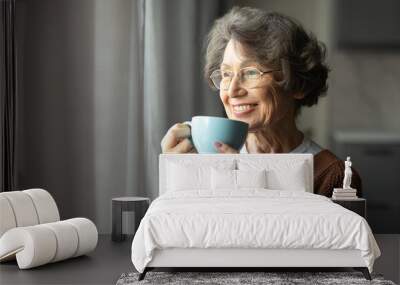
(235, 89)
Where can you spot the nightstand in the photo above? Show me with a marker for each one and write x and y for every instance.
(138, 205)
(358, 205)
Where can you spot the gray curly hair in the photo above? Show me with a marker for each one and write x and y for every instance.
(277, 42)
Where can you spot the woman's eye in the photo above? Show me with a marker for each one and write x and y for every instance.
(251, 73)
(225, 74)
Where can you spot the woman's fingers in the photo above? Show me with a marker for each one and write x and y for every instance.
(183, 147)
(224, 148)
(194, 150)
(176, 139)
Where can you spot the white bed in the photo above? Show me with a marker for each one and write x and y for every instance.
(198, 222)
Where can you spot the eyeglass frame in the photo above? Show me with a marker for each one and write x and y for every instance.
(261, 73)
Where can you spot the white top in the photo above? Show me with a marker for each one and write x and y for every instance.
(307, 146)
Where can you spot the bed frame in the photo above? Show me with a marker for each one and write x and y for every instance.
(242, 259)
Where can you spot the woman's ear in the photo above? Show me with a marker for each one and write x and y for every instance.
(298, 95)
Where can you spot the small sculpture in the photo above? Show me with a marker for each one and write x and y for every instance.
(345, 193)
(347, 174)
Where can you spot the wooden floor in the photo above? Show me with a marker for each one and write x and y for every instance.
(110, 260)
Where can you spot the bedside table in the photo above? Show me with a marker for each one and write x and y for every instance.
(138, 205)
(358, 205)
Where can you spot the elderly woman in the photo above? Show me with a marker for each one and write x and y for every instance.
(266, 68)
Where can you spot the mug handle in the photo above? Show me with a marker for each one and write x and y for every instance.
(189, 123)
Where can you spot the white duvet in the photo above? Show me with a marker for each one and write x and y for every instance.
(250, 219)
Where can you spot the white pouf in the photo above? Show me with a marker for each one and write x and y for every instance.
(37, 245)
(87, 233)
(7, 220)
(33, 246)
(23, 208)
(45, 205)
(67, 239)
(26, 208)
(31, 230)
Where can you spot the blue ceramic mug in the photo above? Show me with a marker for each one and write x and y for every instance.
(206, 130)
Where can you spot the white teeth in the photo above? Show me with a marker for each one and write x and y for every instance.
(242, 108)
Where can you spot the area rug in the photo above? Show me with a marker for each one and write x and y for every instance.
(229, 278)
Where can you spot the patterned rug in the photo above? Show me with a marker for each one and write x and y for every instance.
(230, 278)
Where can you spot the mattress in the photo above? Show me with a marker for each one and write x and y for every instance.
(251, 219)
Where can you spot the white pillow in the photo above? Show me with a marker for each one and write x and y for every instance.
(292, 179)
(223, 179)
(188, 176)
(237, 179)
(251, 178)
(282, 174)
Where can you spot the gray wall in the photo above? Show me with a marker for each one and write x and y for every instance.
(56, 58)
(73, 103)
(366, 89)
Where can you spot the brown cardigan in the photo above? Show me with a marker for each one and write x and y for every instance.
(329, 174)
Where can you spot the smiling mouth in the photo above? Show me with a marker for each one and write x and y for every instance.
(243, 109)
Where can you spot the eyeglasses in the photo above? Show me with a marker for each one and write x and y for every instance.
(248, 77)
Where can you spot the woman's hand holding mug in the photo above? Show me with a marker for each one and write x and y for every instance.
(205, 134)
(224, 148)
(176, 140)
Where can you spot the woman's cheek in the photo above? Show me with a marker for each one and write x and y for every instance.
(262, 110)
(270, 106)
(224, 100)
(228, 111)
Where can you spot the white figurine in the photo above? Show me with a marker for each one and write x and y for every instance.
(345, 193)
(347, 174)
